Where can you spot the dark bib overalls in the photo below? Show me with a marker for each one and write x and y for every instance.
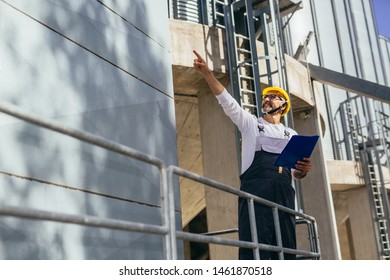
(263, 179)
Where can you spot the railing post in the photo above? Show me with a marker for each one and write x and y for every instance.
(277, 231)
(171, 212)
(165, 211)
(317, 238)
(252, 222)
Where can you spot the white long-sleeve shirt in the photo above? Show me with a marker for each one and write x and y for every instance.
(257, 134)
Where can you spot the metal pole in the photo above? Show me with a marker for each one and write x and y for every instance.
(277, 231)
(84, 220)
(78, 134)
(277, 46)
(171, 212)
(255, 60)
(253, 227)
(166, 219)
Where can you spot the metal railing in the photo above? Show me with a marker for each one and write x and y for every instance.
(168, 228)
(205, 238)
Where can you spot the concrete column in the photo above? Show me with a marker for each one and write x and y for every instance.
(219, 163)
(316, 191)
(363, 235)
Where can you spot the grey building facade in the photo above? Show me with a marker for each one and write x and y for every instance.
(103, 67)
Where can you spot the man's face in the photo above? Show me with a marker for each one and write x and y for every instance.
(271, 101)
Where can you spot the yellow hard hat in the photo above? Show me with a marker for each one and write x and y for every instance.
(282, 92)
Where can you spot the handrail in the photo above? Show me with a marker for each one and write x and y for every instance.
(167, 229)
(93, 139)
(86, 220)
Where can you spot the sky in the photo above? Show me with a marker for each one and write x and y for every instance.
(382, 12)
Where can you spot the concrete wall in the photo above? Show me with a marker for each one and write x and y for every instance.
(98, 66)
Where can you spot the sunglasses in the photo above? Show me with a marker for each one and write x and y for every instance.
(272, 97)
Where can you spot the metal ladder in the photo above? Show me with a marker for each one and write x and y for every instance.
(384, 130)
(244, 24)
(381, 218)
(366, 151)
(353, 130)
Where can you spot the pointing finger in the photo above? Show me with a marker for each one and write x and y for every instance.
(198, 55)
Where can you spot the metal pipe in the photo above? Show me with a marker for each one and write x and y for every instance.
(217, 185)
(167, 221)
(243, 244)
(170, 212)
(253, 227)
(78, 134)
(85, 220)
(277, 231)
(277, 47)
(324, 87)
(220, 232)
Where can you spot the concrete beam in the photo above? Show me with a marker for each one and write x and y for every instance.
(345, 174)
(350, 83)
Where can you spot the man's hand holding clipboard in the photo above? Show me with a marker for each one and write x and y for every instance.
(296, 154)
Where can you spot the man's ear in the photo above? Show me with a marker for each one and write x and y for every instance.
(284, 107)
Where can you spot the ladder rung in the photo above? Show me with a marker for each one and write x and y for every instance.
(244, 63)
(248, 91)
(246, 77)
(243, 50)
(242, 37)
(249, 105)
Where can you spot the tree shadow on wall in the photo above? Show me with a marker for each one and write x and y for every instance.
(95, 67)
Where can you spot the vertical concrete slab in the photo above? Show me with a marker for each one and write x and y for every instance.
(317, 196)
(219, 163)
(87, 66)
(362, 229)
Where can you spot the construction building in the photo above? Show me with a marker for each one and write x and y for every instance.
(117, 77)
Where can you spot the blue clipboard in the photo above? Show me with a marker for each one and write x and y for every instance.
(296, 149)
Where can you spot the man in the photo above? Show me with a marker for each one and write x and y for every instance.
(263, 139)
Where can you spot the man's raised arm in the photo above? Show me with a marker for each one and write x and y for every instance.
(201, 66)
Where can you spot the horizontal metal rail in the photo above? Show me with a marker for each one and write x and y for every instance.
(80, 135)
(243, 244)
(221, 232)
(218, 185)
(28, 213)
